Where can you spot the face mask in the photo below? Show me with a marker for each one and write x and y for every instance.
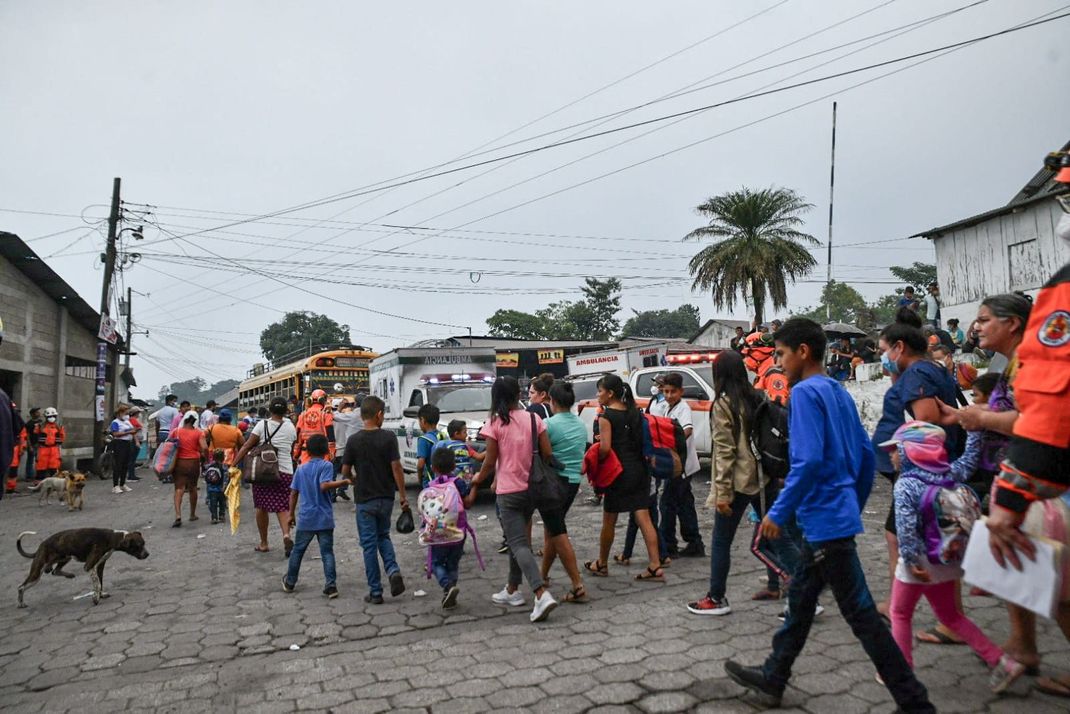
(125, 417)
(654, 391)
(889, 365)
(1062, 228)
(51, 418)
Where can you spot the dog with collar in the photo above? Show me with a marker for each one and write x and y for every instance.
(92, 546)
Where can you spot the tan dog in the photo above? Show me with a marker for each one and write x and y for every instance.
(75, 490)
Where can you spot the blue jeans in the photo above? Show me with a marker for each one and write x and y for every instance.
(724, 532)
(373, 525)
(446, 563)
(30, 455)
(677, 501)
(835, 564)
(217, 506)
(326, 543)
(633, 530)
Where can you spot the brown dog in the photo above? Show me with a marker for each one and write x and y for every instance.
(75, 490)
(69, 483)
(92, 546)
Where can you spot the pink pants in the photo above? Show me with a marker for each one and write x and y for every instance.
(941, 597)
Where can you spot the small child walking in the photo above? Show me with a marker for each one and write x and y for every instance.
(918, 453)
(215, 480)
(311, 502)
(446, 559)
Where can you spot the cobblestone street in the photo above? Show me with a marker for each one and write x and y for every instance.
(203, 625)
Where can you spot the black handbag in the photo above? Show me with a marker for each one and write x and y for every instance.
(546, 488)
(405, 523)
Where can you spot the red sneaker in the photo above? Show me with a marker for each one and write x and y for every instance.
(709, 606)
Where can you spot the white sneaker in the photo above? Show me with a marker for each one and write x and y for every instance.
(818, 611)
(504, 597)
(543, 606)
(116, 489)
(125, 488)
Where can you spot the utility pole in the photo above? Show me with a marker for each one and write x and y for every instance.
(110, 253)
(129, 328)
(832, 188)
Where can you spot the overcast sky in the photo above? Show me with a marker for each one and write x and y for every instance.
(211, 111)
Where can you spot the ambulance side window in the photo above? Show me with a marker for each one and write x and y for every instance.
(692, 389)
(417, 398)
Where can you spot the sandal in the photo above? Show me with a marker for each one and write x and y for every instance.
(666, 562)
(177, 523)
(195, 518)
(576, 596)
(1055, 686)
(621, 560)
(260, 549)
(934, 636)
(597, 568)
(651, 574)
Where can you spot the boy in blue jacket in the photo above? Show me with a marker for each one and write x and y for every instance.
(830, 479)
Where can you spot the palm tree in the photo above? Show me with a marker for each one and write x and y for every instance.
(758, 247)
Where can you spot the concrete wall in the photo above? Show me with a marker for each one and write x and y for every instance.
(716, 335)
(39, 336)
(1017, 251)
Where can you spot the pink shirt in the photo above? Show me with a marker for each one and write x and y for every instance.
(514, 450)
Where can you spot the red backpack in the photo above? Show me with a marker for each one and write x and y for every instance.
(665, 443)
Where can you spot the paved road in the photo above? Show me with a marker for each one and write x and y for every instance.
(203, 625)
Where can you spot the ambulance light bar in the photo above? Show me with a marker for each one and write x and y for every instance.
(692, 358)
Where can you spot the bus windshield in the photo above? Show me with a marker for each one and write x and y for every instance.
(338, 381)
(460, 397)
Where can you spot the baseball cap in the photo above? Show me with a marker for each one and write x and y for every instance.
(923, 444)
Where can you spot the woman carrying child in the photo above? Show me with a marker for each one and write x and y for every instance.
(917, 451)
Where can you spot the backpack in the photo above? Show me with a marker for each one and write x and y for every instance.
(769, 438)
(443, 517)
(665, 443)
(432, 438)
(460, 455)
(262, 461)
(213, 474)
(948, 511)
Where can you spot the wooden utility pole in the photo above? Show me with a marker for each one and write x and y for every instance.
(832, 190)
(110, 253)
(129, 328)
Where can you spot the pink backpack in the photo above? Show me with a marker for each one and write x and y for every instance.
(443, 517)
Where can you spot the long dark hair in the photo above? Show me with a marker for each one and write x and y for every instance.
(730, 381)
(619, 389)
(504, 395)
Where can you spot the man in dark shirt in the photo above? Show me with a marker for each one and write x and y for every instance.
(374, 453)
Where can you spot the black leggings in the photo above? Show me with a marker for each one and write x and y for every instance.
(121, 453)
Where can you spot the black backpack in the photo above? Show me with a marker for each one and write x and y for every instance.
(769, 436)
(213, 474)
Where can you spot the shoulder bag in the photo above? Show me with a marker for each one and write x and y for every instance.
(261, 466)
(545, 486)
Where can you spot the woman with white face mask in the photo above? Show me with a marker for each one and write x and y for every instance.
(122, 448)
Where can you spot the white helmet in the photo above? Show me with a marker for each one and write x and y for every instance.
(51, 412)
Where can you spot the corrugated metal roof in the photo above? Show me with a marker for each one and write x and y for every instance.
(23, 257)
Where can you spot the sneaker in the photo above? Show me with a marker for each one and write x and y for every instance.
(1003, 675)
(331, 592)
(449, 597)
(543, 606)
(215, 521)
(709, 606)
(504, 547)
(126, 488)
(504, 597)
(287, 587)
(116, 489)
(374, 599)
(397, 584)
(818, 612)
(693, 550)
(752, 678)
(593, 500)
(343, 495)
(133, 478)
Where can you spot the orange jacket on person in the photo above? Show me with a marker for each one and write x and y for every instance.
(48, 438)
(1038, 459)
(314, 420)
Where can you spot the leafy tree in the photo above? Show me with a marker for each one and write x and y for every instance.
(758, 247)
(197, 390)
(516, 325)
(920, 275)
(681, 322)
(602, 300)
(297, 330)
(839, 303)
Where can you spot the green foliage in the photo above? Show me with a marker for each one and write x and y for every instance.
(296, 330)
(758, 247)
(681, 322)
(839, 303)
(196, 390)
(593, 318)
(920, 275)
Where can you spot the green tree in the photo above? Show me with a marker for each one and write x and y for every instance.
(293, 334)
(516, 325)
(839, 303)
(196, 390)
(602, 302)
(681, 322)
(758, 247)
(920, 275)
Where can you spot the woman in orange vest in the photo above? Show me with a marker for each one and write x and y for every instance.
(49, 437)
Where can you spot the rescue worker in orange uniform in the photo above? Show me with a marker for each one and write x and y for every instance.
(12, 477)
(1037, 465)
(315, 419)
(757, 353)
(49, 437)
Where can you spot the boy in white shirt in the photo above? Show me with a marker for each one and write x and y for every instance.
(677, 499)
